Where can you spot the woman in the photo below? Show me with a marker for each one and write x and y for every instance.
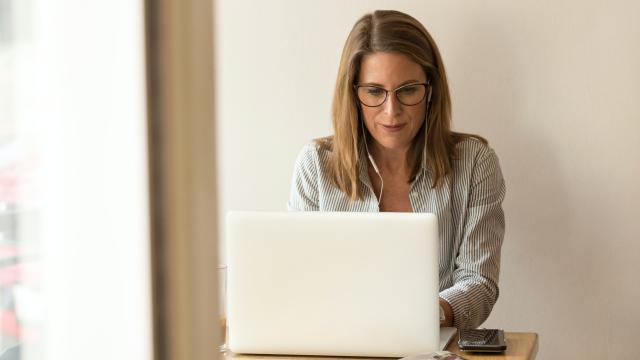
(393, 150)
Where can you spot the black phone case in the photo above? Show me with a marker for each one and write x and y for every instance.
(483, 340)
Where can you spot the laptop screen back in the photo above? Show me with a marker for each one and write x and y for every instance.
(339, 284)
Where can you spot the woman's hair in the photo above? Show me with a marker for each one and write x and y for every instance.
(395, 32)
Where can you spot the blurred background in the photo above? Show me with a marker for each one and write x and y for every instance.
(553, 86)
(74, 232)
(100, 235)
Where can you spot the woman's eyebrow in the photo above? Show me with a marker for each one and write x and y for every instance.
(410, 82)
(402, 84)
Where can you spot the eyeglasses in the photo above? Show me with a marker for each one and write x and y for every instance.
(409, 95)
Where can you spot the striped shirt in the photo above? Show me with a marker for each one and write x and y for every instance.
(470, 219)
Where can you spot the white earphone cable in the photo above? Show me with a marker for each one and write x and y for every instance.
(426, 126)
(373, 163)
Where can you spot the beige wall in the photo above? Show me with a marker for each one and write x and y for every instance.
(554, 86)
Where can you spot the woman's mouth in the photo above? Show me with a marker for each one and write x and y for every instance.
(393, 128)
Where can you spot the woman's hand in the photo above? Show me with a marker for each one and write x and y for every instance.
(448, 314)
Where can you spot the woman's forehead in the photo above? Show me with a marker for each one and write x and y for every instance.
(389, 69)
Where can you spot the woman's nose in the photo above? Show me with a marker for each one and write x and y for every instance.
(392, 106)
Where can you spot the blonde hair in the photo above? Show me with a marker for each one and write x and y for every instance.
(390, 31)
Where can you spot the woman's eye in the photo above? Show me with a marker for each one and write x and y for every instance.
(408, 90)
(375, 91)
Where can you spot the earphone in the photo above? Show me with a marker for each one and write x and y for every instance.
(426, 126)
(373, 163)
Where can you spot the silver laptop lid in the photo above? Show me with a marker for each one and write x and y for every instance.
(340, 284)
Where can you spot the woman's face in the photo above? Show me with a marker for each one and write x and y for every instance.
(392, 124)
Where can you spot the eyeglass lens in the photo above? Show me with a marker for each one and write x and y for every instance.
(407, 95)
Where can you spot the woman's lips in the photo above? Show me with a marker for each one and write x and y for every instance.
(393, 128)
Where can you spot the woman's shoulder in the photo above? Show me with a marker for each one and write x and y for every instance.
(471, 149)
(315, 152)
(477, 164)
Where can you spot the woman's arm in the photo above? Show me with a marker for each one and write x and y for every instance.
(477, 267)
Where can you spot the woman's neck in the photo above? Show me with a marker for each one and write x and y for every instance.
(390, 161)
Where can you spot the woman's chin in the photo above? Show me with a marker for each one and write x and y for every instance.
(393, 144)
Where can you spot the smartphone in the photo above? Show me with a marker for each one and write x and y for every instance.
(482, 340)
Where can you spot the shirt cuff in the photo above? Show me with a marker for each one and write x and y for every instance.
(459, 305)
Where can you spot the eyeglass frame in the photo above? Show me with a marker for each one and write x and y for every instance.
(427, 86)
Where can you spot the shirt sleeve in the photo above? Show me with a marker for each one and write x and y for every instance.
(304, 185)
(477, 265)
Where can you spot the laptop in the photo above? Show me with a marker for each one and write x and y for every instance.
(333, 284)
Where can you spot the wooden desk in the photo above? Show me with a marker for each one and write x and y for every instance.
(520, 346)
